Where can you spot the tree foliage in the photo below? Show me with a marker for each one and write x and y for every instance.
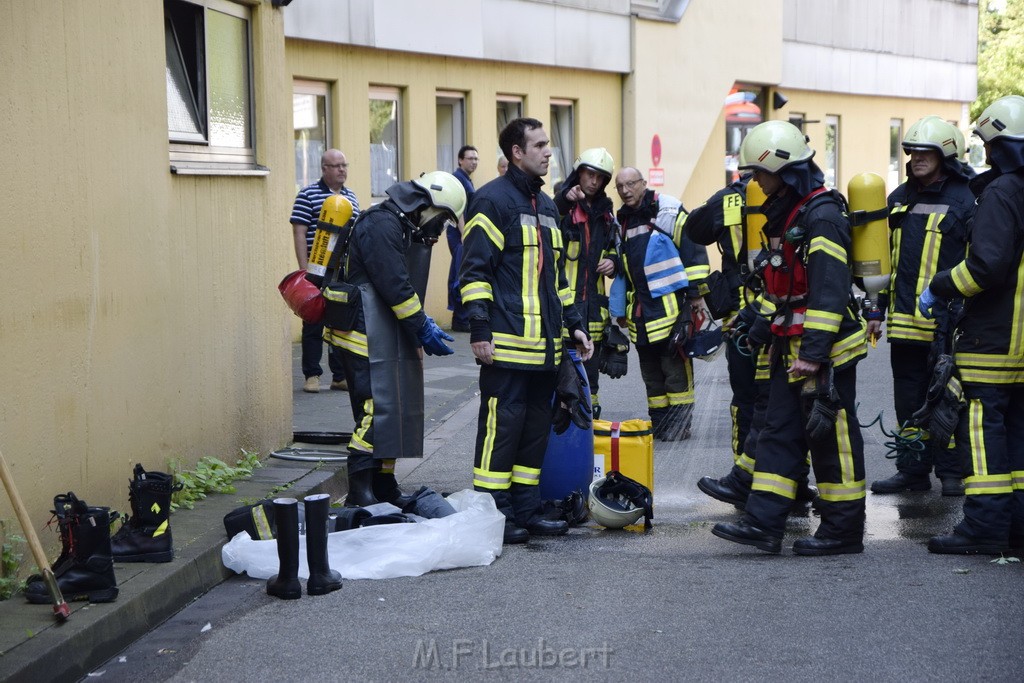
(1000, 52)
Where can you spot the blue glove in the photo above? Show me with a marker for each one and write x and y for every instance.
(433, 339)
(926, 302)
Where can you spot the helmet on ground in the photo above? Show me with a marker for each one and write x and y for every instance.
(774, 145)
(336, 210)
(597, 159)
(616, 501)
(1004, 118)
(931, 133)
(445, 190)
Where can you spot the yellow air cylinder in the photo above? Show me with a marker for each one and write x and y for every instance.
(335, 215)
(871, 251)
(755, 221)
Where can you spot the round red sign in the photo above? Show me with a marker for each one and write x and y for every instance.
(656, 150)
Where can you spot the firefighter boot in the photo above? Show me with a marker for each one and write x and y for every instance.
(285, 583)
(529, 512)
(361, 470)
(385, 486)
(88, 574)
(322, 579)
(145, 535)
(725, 489)
(902, 481)
(513, 533)
(66, 509)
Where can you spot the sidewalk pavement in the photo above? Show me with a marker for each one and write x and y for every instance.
(35, 647)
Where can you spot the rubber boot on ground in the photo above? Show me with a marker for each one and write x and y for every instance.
(89, 574)
(385, 486)
(145, 535)
(322, 579)
(361, 470)
(285, 583)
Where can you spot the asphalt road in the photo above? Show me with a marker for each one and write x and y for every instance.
(675, 604)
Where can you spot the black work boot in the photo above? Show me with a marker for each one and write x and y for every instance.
(529, 511)
(385, 487)
(952, 486)
(285, 583)
(724, 490)
(66, 510)
(745, 533)
(322, 579)
(513, 534)
(819, 545)
(957, 543)
(88, 573)
(145, 535)
(361, 471)
(900, 482)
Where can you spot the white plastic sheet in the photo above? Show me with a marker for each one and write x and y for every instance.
(470, 538)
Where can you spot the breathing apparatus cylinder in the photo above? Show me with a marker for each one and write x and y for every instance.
(871, 255)
(754, 221)
(335, 218)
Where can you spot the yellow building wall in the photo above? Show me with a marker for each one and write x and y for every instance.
(141, 321)
(351, 71)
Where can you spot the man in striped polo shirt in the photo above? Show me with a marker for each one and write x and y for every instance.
(305, 213)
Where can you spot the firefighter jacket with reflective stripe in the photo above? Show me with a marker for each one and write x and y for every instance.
(929, 234)
(513, 272)
(590, 234)
(376, 255)
(720, 220)
(821, 323)
(651, 318)
(989, 348)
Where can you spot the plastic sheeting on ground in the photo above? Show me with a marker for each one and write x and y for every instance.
(470, 538)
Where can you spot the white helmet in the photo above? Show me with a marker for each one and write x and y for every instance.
(597, 159)
(616, 501)
(1004, 118)
(773, 145)
(932, 133)
(445, 190)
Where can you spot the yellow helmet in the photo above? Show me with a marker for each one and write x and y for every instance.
(1004, 118)
(773, 145)
(445, 190)
(336, 210)
(597, 159)
(932, 133)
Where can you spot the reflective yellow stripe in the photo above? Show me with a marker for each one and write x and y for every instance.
(745, 463)
(160, 530)
(1017, 480)
(698, 272)
(358, 440)
(988, 484)
(854, 490)
(681, 398)
(773, 483)
(930, 253)
(387, 465)
(525, 475)
(829, 247)
(735, 429)
(491, 425)
(535, 343)
(410, 306)
(1017, 326)
(261, 523)
(825, 321)
(657, 401)
(351, 341)
(484, 223)
(472, 291)
(975, 415)
(963, 280)
(494, 481)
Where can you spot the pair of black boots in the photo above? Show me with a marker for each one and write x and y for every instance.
(525, 514)
(85, 569)
(322, 579)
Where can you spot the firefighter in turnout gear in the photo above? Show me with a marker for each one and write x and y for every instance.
(520, 308)
(664, 273)
(590, 235)
(928, 217)
(816, 341)
(376, 294)
(989, 342)
(721, 220)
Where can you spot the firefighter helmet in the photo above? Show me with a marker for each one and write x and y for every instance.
(445, 191)
(774, 145)
(616, 501)
(931, 133)
(597, 159)
(1004, 118)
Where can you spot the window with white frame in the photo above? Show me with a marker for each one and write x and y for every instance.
(209, 86)
(831, 151)
(385, 139)
(563, 147)
(451, 128)
(895, 154)
(509, 107)
(310, 123)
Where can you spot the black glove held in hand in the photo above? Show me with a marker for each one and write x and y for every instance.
(615, 353)
(572, 398)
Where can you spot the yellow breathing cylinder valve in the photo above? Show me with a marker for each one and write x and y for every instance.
(755, 221)
(871, 251)
(335, 215)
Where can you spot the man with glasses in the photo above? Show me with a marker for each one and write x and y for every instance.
(664, 276)
(305, 213)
